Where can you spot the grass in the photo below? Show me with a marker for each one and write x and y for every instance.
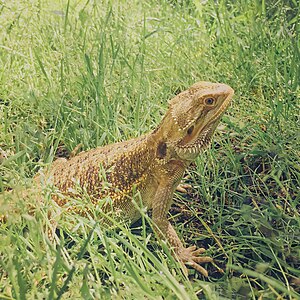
(96, 72)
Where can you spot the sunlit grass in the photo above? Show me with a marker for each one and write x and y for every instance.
(91, 73)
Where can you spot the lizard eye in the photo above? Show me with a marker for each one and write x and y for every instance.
(209, 101)
(190, 130)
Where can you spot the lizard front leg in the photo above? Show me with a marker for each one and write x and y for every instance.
(186, 256)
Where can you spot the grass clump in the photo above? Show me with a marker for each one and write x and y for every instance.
(100, 72)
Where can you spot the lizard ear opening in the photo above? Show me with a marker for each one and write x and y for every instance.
(161, 150)
(190, 130)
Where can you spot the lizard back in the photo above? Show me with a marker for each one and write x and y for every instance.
(111, 172)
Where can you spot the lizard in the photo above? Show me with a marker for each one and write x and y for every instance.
(152, 164)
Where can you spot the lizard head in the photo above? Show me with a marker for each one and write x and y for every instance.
(193, 116)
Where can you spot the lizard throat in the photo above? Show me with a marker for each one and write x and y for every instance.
(190, 151)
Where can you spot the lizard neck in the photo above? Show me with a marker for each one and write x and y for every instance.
(163, 150)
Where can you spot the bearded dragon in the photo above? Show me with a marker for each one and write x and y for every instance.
(152, 164)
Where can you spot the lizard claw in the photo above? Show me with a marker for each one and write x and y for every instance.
(190, 257)
(182, 188)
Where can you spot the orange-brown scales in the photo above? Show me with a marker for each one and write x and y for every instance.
(112, 172)
(149, 168)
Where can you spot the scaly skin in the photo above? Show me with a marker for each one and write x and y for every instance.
(152, 164)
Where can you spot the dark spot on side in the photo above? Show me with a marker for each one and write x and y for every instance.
(161, 151)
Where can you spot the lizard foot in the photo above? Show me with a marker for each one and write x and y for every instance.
(190, 257)
(182, 188)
